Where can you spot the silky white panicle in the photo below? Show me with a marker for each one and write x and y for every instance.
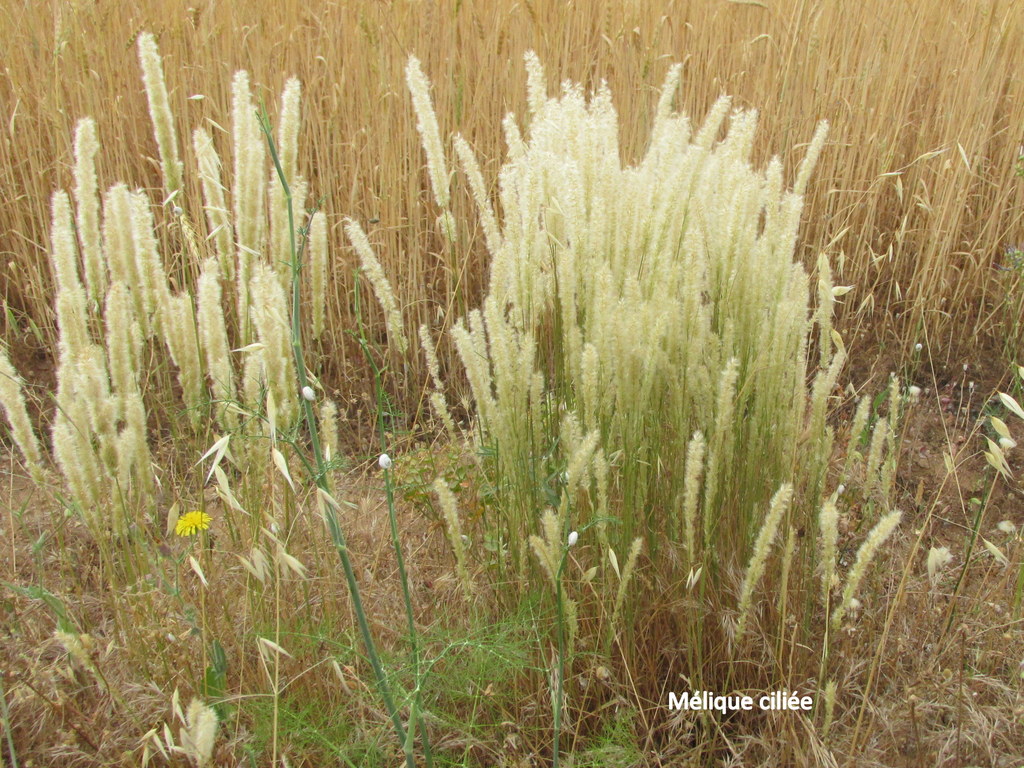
(213, 335)
(430, 133)
(72, 317)
(248, 190)
(12, 400)
(160, 112)
(379, 282)
(762, 548)
(217, 217)
(318, 271)
(875, 539)
(938, 558)
(329, 429)
(449, 508)
(270, 313)
(87, 203)
(199, 733)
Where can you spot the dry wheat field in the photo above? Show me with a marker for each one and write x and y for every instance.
(512, 383)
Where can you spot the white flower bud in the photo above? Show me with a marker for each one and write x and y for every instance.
(573, 538)
(308, 393)
(384, 461)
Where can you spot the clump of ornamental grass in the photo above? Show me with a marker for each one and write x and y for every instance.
(640, 360)
(223, 319)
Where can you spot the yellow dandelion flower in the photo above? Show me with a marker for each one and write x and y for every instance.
(191, 523)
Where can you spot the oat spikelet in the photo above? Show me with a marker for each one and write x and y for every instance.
(160, 112)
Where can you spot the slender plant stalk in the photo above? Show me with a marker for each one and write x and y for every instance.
(5, 715)
(559, 680)
(396, 543)
(337, 535)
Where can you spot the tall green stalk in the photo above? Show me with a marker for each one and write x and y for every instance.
(320, 477)
(389, 487)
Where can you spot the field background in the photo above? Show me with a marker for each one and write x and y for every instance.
(917, 201)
